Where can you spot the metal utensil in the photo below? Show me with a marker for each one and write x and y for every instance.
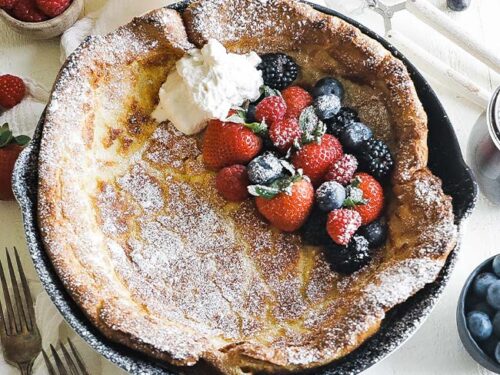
(73, 366)
(19, 333)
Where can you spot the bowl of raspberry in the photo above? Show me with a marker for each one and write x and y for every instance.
(478, 314)
(40, 19)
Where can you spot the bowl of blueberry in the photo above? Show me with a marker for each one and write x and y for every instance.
(478, 314)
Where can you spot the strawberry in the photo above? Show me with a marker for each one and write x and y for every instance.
(232, 183)
(288, 211)
(296, 99)
(373, 196)
(228, 143)
(12, 90)
(315, 158)
(283, 133)
(26, 10)
(10, 147)
(53, 8)
(342, 170)
(342, 224)
(7, 4)
(270, 109)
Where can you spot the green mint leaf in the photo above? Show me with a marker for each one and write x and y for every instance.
(267, 192)
(22, 140)
(5, 138)
(312, 128)
(268, 91)
(288, 166)
(354, 197)
(257, 127)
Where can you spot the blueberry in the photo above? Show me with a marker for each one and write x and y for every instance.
(484, 307)
(482, 282)
(251, 113)
(354, 135)
(375, 233)
(330, 196)
(493, 295)
(264, 169)
(496, 324)
(326, 106)
(479, 325)
(496, 265)
(458, 5)
(489, 345)
(328, 85)
(497, 352)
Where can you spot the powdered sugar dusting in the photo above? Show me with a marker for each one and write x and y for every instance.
(154, 253)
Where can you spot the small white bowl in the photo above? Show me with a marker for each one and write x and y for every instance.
(45, 29)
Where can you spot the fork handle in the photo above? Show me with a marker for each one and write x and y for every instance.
(26, 368)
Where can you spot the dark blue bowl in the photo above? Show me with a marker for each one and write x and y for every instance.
(445, 161)
(468, 341)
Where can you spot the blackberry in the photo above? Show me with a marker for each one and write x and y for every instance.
(314, 229)
(278, 70)
(337, 123)
(350, 258)
(376, 158)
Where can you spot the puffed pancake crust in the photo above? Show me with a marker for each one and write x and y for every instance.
(160, 263)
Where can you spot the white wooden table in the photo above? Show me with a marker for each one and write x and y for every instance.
(435, 348)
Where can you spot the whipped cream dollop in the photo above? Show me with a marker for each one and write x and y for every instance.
(205, 85)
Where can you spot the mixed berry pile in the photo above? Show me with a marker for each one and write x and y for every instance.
(34, 10)
(310, 163)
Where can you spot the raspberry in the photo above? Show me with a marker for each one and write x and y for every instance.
(296, 99)
(342, 224)
(342, 170)
(26, 10)
(12, 91)
(53, 8)
(270, 109)
(232, 182)
(7, 4)
(283, 133)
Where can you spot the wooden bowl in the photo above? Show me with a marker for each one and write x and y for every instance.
(45, 29)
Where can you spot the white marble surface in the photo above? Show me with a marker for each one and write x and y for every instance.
(435, 348)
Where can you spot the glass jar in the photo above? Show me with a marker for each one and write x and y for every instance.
(484, 150)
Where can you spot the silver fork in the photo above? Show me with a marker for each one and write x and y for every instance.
(73, 366)
(19, 333)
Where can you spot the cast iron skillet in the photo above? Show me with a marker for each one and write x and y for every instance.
(445, 160)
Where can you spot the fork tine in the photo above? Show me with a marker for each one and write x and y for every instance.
(11, 323)
(59, 364)
(30, 316)
(50, 368)
(21, 315)
(77, 358)
(3, 326)
(69, 360)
